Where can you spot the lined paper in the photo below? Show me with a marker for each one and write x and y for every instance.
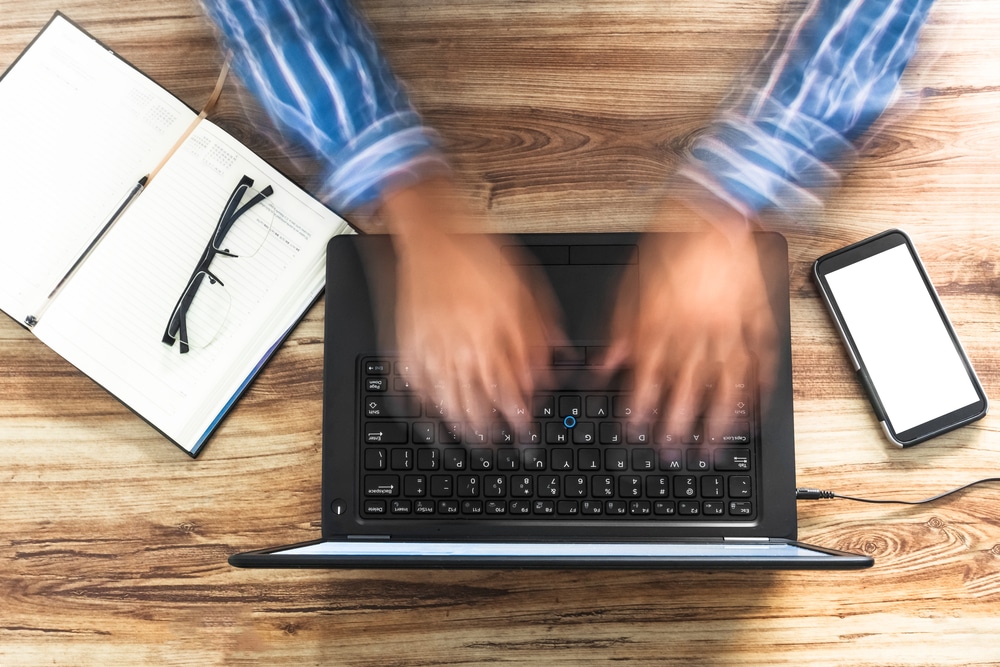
(80, 127)
(109, 320)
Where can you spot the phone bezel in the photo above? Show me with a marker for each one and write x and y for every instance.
(863, 250)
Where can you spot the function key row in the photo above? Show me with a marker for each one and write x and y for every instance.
(593, 509)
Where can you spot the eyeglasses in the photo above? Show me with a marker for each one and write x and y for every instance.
(197, 322)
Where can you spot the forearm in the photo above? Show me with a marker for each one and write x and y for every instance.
(834, 73)
(317, 70)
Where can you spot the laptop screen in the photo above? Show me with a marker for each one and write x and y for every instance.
(587, 550)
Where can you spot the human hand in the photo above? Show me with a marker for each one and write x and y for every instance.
(473, 329)
(687, 329)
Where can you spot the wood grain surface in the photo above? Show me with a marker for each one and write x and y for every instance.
(559, 115)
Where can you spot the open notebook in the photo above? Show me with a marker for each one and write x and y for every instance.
(80, 128)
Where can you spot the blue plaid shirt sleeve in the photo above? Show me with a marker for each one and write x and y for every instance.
(839, 66)
(316, 69)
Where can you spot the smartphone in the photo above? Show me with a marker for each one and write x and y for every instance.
(902, 344)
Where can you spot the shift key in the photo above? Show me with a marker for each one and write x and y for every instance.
(386, 433)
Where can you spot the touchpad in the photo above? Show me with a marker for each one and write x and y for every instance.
(592, 283)
(589, 297)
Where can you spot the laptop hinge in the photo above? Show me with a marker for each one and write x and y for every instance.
(368, 537)
(746, 539)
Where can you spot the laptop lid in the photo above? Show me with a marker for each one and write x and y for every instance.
(586, 272)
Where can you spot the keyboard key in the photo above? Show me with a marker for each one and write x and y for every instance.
(530, 434)
(711, 486)
(454, 459)
(589, 459)
(534, 459)
(556, 433)
(428, 459)
(381, 486)
(615, 507)
(401, 459)
(522, 486)
(544, 406)
(375, 507)
(740, 508)
(375, 459)
(386, 433)
(637, 433)
(561, 459)
(508, 459)
(689, 508)
(602, 486)
(392, 406)
(713, 507)
(519, 507)
(568, 507)
(467, 486)
(685, 486)
(610, 433)
(728, 433)
(574, 486)
(583, 434)
(442, 485)
(377, 367)
(481, 459)
(414, 485)
(450, 433)
(657, 486)
(494, 486)
(377, 384)
(503, 435)
(629, 486)
(423, 433)
(400, 507)
(597, 407)
(732, 459)
(547, 486)
(699, 460)
(739, 486)
(570, 406)
(664, 508)
(543, 507)
(640, 508)
(616, 459)
(671, 459)
(643, 459)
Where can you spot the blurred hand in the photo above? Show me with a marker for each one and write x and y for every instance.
(686, 331)
(470, 325)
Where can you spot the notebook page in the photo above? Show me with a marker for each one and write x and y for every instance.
(80, 127)
(109, 320)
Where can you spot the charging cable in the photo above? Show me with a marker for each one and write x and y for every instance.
(819, 494)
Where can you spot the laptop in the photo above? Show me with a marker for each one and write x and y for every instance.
(580, 486)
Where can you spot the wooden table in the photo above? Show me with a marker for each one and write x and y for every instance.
(559, 116)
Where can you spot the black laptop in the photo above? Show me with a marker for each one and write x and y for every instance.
(579, 486)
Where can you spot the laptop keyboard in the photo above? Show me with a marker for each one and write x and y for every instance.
(580, 456)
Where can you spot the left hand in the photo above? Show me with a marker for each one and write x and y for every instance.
(687, 339)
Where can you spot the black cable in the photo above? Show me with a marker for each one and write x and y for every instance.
(818, 494)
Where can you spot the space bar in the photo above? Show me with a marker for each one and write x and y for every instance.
(576, 379)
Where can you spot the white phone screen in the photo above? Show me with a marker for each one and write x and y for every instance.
(910, 357)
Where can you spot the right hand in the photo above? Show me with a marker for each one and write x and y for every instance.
(473, 329)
